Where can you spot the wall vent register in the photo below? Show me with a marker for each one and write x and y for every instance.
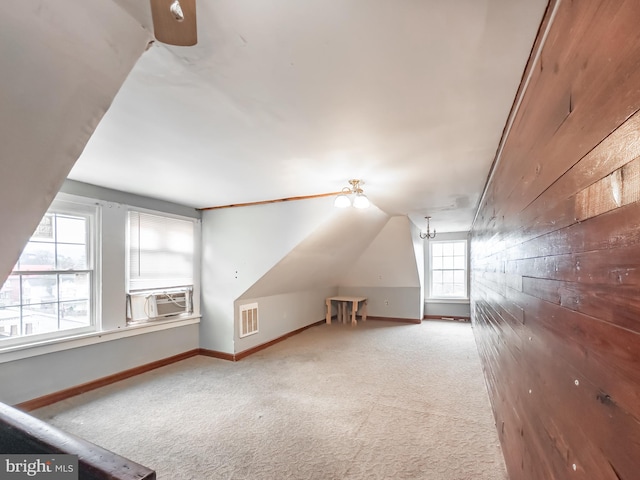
(248, 319)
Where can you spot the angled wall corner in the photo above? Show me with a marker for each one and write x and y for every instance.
(292, 293)
(293, 252)
(388, 272)
(418, 250)
(325, 256)
(61, 68)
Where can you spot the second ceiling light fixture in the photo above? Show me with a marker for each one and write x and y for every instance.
(359, 200)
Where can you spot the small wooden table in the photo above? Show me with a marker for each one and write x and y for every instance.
(342, 308)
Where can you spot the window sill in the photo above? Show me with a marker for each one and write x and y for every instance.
(447, 300)
(18, 352)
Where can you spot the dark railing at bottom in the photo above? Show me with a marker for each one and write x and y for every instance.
(21, 433)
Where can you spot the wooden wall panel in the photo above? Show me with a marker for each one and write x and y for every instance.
(556, 253)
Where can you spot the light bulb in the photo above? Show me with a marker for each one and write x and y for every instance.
(342, 201)
(361, 201)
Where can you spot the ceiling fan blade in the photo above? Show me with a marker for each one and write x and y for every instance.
(168, 29)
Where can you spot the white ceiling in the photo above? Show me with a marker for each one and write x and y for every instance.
(291, 98)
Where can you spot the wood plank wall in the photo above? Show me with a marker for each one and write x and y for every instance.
(556, 253)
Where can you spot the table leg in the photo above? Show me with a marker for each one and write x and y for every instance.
(364, 311)
(354, 309)
(328, 318)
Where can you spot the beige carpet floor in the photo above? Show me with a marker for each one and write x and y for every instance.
(382, 400)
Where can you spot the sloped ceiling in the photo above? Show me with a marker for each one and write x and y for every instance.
(389, 261)
(289, 98)
(61, 64)
(325, 256)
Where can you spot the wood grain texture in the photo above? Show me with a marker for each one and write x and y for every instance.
(555, 254)
(171, 31)
(23, 434)
(277, 200)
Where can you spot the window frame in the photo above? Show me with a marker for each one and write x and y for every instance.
(449, 298)
(110, 279)
(66, 205)
(146, 290)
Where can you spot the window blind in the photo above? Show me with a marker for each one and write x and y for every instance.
(160, 251)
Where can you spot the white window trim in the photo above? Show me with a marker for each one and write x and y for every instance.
(462, 299)
(72, 205)
(22, 351)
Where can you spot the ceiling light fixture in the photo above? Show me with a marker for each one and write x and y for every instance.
(360, 200)
(176, 10)
(428, 234)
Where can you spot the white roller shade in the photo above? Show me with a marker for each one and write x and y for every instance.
(160, 251)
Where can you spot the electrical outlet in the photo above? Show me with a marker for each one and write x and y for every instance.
(386, 302)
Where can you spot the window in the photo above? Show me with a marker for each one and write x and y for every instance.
(160, 251)
(448, 269)
(50, 292)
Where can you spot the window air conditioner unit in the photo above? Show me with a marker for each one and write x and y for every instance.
(157, 304)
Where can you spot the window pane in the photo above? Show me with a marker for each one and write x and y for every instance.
(436, 249)
(458, 289)
(71, 229)
(447, 276)
(37, 256)
(44, 231)
(458, 262)
(39, 289)
(447, 248)
(72, 257)
(74, 314)
(458, 248)
(40, 318)
(436, 263)
(447, 262)
(436, 290)
(9, 322)
(10, 292)
(436, 277)
(74, 286)
(458, 276)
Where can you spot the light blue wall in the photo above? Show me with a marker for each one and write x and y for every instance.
(283, 313)
(239, 247)
(30, 378)
(389, 302)
(118, 197)
(447, 309)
